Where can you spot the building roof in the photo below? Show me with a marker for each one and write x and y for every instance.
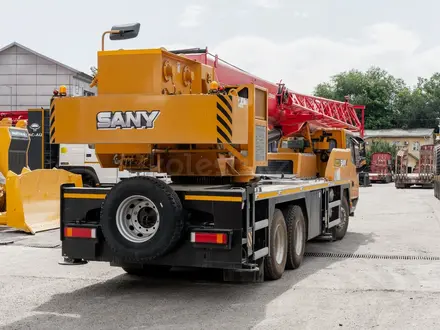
(394, 132)
(79, 73)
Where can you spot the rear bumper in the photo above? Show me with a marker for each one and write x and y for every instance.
(80, 208)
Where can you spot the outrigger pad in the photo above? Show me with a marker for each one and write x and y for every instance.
(33, 199)
(66, 261)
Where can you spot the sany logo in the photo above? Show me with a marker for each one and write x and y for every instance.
(126, 119)
(34, 127)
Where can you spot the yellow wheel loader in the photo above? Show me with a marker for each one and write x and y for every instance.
(29, 200)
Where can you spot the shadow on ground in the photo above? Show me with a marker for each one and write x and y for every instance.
(183, 299)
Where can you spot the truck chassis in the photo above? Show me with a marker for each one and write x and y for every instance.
(251, 232)
(381, 177)
(406, 180)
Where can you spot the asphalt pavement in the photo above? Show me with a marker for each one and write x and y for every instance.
(383, 275)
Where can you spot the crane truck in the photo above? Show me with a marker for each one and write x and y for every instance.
(436, 170)
(381, 169)
(232, 204)
(423, 174)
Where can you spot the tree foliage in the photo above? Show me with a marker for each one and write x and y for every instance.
(389, 101)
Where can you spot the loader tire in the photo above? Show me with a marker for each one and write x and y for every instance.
(340, 230)
(141, 219)
(275, 264)
(297, 235)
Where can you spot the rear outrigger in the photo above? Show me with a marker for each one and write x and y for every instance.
(231, 205)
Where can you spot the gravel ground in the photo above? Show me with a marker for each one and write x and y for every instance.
(389, 291)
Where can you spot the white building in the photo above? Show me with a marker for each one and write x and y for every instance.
(27, 79)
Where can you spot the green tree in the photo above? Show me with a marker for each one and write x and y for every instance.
(376, 89)
(423, 107)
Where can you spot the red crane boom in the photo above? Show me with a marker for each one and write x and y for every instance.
(287, 109)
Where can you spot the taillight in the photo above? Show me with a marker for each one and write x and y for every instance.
(209, 238)
(77, 232)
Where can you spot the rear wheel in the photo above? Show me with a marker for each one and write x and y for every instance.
(297, 236)
(275, 264)
(141, 219)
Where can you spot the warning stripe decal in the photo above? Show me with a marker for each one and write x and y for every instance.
(224, 119)
(225, 125)
(227, 102)
(52, 121)
(225, 113)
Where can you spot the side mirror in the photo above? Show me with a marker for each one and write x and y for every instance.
(360, 154)
(127, 31)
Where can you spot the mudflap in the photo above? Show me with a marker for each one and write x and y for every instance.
(33, 199)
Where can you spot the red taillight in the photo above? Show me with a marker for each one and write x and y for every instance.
(80, 232)
(209, 238)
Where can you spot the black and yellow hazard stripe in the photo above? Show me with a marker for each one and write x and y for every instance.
(224, 118)
(52, 120)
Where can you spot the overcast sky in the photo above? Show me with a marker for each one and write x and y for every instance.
(301, 43)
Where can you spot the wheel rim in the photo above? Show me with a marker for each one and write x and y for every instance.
(343, 218)
(137, 219)
(298, 238)
(279, 244)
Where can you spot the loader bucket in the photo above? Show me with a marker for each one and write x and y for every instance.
(33, 199)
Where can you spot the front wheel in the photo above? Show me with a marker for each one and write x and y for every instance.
(340, 230)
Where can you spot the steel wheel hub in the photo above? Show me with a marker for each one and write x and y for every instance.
(343, 218)
(280, 239)
(298, 239)
(137, 219)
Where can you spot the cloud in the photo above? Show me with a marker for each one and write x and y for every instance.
(305, 62)
(266, 3)
(300, 14)
(191, 16)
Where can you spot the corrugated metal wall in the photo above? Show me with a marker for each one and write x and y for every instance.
(32, 79)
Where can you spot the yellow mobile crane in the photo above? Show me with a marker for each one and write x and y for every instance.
(231, 205)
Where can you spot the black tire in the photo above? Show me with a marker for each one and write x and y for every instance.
(340, 230)
(296, 229)
(168, 207)
(273, 269)
(148, 270)
(89, 183)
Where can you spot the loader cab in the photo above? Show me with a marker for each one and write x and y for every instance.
(14, 143)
